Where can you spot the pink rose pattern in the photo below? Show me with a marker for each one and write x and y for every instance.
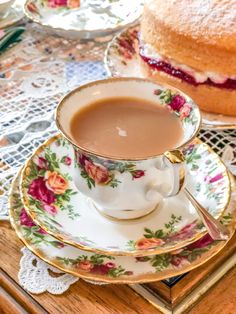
(39, 191)
(97, 172)
(175, 102)
(41, 163)
(201, 243)
(153, 239)
(102, 172)
(136, 174)
(62, 3)
(51, 209)
(26, 222)
(67, 160)
(97, 264)
(185, 233)
(126, 44)
(47, 188)
(180, 257)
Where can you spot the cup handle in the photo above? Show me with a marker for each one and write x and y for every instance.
(175, 159)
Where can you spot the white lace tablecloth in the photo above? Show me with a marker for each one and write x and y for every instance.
(34, 75)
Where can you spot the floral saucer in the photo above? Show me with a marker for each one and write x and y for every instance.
(122, 59)
(114, 269)
(85, 18)
(15, 15)
(53, 202)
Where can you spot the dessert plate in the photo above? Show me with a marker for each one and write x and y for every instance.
(122, 59)
(114, 269)
(15, 15)
(85, 18)
(53, 202)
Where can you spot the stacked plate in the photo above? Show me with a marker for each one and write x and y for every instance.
(62, 226)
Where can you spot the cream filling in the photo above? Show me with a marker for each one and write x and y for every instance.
(200, 77)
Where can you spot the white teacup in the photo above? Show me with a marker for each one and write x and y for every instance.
(138, 185)
(5, 6)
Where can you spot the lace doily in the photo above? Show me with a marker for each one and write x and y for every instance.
(37, 277)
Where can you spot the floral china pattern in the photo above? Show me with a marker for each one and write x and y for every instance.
(175, 103)
(102, 172)
(185, 255)
(126, 44)
(109, 268)
(49, 192)
(212, 179)
(30, 230)
(32, 6)
(70, 4)
(96, 263)
(154, 238)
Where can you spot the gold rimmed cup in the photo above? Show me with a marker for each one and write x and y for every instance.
(143, 195)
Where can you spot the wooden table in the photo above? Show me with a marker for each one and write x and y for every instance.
(85, 298)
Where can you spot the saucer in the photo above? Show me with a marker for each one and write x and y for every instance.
(122, 59)
(53, 202)
(89, 20)
(114, 269)
(15, 15)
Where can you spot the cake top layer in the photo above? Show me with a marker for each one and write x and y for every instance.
(211, 21)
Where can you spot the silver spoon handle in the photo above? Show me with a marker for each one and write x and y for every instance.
(215, 229)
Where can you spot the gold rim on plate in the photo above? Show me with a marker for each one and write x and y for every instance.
(138, 278)
(33, 216)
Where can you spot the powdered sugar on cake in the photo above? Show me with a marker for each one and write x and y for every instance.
(208, 19)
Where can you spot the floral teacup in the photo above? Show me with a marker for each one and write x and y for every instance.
(120, 187)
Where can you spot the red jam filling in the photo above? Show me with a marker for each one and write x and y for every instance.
(163, 66)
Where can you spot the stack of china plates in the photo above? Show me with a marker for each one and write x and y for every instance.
(62, 227)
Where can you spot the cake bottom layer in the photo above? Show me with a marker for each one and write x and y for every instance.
(208, 98)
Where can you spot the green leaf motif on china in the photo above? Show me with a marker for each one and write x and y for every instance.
(188, 254)
(29, 230)
(165, 95)
(48, 190)
(178, 104)
(51, 157)
(97, 263)
(61, 141)
(160, 262)
(98, 171)
(161, 237)
(226, 219)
